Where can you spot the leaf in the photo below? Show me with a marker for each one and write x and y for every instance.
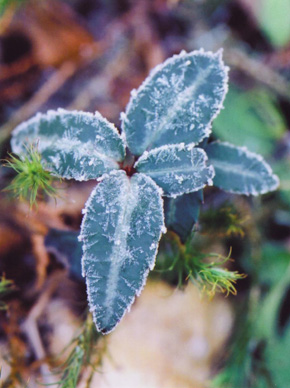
(273, 325)
(181, 213)
(274, 264)
(73, 144)
(239, 171)
(67, 249)
(276, 357)
(250, 119)
(177, 102)
(274, 20)
(120, 232)
(177, 169)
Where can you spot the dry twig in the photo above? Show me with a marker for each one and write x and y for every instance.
(30, 324)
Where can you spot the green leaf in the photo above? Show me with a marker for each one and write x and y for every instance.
(120, 232)
(277, 359)
(251, 119)
(274, 20)
(181, 213)
(275, 261)
(177, 169)
(177, 102)
(269, 307)
(74, 144)
(270, 326)
(239, 171)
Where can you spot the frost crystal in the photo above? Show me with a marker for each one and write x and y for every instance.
(123, 221)
(176, 169)
(164, 230)
(74, 144)
(240, 171)
(175, 103)
(120, 233)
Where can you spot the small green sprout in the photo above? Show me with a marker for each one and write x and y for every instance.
(72, 369)
(185, 263)
(84, 350)
(212, 278)
(32, 181)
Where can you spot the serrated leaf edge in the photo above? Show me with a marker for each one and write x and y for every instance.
(260, 159)
(54, 113)
(179, 147)
(183, 53)
(163, 230)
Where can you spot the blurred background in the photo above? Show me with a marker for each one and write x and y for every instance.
(88, 55)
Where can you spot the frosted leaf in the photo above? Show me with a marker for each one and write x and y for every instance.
(181, 213)
(73, 144)
(177, 102)
(164, 230)
(177, 169)
(120, 233)
(239, 170)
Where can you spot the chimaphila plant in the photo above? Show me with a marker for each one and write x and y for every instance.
(162, 152)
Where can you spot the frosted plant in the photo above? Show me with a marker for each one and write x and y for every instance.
(161, 158)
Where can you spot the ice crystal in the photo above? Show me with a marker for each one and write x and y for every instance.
(166, 124)
(121, 247)
(239, 170)
(177, 169)
(174, 104)
(76, 145)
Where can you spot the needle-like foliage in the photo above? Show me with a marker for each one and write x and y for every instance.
(32, 181)
(84, 350)
(206, 271)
